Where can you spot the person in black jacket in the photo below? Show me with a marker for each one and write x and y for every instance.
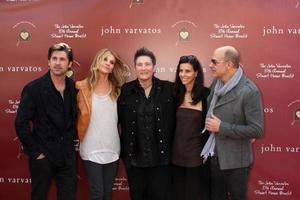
(45, 125)
(146, 111)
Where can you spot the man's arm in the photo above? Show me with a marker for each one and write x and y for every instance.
(25, 116)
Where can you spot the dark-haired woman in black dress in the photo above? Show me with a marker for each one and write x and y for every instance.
(190, 175)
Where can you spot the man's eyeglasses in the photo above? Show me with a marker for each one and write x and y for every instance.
(215, 62)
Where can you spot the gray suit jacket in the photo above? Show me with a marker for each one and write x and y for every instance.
(241, 113)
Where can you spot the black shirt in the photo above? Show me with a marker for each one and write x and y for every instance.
(64, 105)
(146, 142)
(65, 119)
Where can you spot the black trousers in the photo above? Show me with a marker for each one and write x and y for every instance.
(101, 178)
(228, 184)
(149, 183)
(190, 183)
(43, 171)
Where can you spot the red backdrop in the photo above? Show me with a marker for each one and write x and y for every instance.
(266, 32)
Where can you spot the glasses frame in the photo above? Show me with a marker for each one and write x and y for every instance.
(215, 62)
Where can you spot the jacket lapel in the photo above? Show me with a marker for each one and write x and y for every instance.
(73, 96)
(227, 98)
(230, 96)
(157, 86)
(87, 94)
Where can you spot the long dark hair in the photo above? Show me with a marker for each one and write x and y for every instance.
(197, 92)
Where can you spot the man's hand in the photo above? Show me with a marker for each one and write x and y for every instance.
(41, 156)
(213, 123)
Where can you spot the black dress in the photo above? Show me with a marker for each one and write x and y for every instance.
(190, 176)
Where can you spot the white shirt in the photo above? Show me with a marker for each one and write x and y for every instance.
(101, 143)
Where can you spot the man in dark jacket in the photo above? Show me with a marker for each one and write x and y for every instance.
(146, 111)
(45, 125)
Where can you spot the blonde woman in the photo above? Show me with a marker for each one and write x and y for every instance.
(97, 122)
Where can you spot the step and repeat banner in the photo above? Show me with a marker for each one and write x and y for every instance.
(267, 33)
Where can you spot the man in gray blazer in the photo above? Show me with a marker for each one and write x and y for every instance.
(234, 119)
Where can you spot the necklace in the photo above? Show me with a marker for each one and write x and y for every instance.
(146, 87)
(188, 98)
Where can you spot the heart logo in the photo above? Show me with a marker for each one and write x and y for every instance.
(24, 35)
(70, 73)
(184, 34)
(298, 114)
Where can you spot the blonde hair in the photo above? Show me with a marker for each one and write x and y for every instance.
(117, 77)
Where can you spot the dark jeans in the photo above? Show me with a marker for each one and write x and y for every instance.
(230, 184)
(43, 171)
(101, 178)
(190, 183)
(149, 183)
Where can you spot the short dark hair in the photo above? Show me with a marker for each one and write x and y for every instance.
(198, 88)
(233, 56)
(61, 47)
(144, 52)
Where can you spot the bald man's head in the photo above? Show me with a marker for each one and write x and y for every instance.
(230, 54)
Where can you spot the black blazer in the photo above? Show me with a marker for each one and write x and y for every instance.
(164, 114)
(40, 123)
